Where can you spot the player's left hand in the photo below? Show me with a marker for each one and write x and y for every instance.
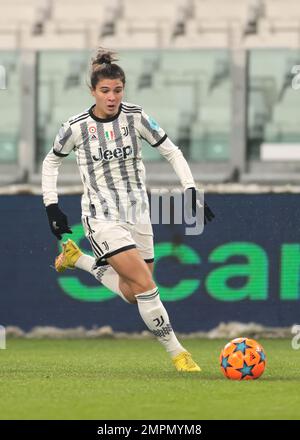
(193, 205)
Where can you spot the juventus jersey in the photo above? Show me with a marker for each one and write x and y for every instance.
(108, 154)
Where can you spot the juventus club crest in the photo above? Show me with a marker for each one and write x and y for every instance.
(125, 131)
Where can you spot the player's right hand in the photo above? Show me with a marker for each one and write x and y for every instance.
(58, 221)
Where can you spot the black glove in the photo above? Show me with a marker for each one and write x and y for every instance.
(58, 221)
(192, 204)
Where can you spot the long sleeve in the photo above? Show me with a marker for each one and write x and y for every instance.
(174, 155)
(51, 164)
(157, 138)
(62, 146)
(151, 131)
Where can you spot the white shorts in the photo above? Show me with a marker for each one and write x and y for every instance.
(109, 238)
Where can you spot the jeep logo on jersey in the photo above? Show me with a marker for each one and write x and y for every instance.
(117, 153)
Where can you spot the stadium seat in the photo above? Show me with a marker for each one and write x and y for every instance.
(276, 9)
(209, 144)
(9, 141)
(10, 101)
(18, 12)
(234, 10)
(53, 40)
(77, 11)
(273, 102)
(206, 40)
(134, 40)
(8, 40)
(139, 9)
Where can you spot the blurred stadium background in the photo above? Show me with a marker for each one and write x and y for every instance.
(220, 76)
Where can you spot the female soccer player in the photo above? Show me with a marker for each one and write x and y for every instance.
(115, 212)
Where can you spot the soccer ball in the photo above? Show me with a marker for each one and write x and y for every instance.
(242, 359)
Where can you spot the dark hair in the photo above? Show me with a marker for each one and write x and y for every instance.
(103, 66)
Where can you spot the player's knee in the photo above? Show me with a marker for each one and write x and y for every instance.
(126, 291)
(131, 299)
(142, 284)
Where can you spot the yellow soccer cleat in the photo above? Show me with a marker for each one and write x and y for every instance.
(184, 362)
(68, 257)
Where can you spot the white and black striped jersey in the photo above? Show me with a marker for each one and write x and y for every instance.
(108, 154)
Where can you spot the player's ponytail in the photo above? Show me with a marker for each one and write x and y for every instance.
(103, 66)
(103, 57)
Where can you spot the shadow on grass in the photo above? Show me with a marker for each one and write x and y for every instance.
(205, 376)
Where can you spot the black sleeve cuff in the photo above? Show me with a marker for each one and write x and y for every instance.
(160, 141)
(59, 154)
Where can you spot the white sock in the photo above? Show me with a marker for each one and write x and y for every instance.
(157, 320)
(85, 262)
(106, 275)
(110, 279)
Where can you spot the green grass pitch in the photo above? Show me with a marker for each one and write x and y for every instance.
(109, 379)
